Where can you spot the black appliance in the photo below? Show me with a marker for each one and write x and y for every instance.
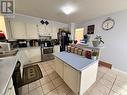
(55, 41)
(47, 54)
(46, 43)
(46, 48)
(21, 43)
(16, 77)
(63, 38)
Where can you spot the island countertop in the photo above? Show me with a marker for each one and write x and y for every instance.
(7, 66)
(76, 61)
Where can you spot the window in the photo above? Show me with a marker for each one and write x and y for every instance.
(79, 34)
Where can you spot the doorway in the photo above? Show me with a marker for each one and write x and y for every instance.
(79, 32)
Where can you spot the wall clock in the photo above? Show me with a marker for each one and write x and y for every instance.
(108, 24)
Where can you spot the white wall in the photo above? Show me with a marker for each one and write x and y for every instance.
(36, 20)
(72, 30)
(115, 47)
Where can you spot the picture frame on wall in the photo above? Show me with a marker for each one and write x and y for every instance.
(90, 29)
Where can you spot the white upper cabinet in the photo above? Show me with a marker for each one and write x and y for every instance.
(31, 30)
(27, 29)
(41, 30)
(18, 30)
(23, 30)
(45, 30)
(49, 28)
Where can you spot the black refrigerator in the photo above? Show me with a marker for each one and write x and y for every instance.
(63, 38)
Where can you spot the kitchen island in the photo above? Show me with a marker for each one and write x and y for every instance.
(78, 72)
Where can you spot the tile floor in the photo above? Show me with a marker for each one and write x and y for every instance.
(108, 82)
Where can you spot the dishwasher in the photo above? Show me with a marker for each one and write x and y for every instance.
(16, 77)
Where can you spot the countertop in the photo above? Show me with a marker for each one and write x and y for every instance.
(7, 66)
(76, 61)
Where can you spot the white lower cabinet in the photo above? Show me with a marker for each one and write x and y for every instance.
(78, 81)
(35, 55)
(71, 77)
(32, 54)
(59, 67)
(56, 48)
(10, 88)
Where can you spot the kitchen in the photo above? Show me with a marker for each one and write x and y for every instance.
(63, 47)
(29, 40)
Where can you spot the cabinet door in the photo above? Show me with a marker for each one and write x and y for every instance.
(31, 30)
(41, 29)
(71, 77)
(12, 92)
(35, 55)
(18, 30)
(54, 31)
(59, 67)
(10, 88)
(56, 49)
(49, 29)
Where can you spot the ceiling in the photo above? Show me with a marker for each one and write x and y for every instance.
(86, 9)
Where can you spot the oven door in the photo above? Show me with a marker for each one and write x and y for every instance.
(48, 50)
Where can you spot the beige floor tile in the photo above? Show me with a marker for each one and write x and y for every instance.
(103, 69)
(121, 83)
(34, 85)
(86, 93)
(57, 81)
(117, 89)
(54, 92)
(44, 73)
(96, 92)
(48, 68)
(37, 91)
(42, 69)
(23, 90)
(103, 89)
(45, 80)
(50, 71)
(109, 78)
(106, 83)
(45, 65)
(92, 87)
(53, 75)
(26, 94)
(63, 89)
(122, 75)
(72, 93)
(112, 73)
(48, 87)
(124, 92)
(100, 75)
(113, 93)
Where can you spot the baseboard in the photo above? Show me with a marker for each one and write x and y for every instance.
(105, 64)
(119, 71)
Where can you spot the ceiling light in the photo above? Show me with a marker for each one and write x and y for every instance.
(68, 9)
